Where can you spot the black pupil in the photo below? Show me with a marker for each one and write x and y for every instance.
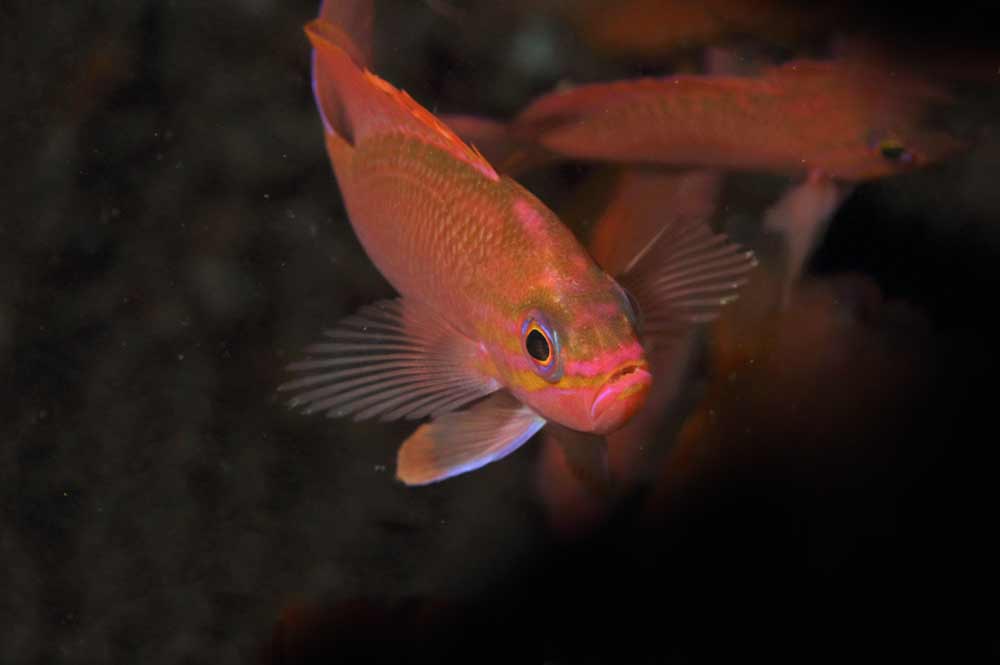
(537, 346)
(892, 151)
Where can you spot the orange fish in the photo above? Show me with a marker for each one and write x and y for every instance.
(498, 300)
(850, 120)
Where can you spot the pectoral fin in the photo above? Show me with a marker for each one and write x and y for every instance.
(654, 238)
(393, 359)
(643, 201)
(466, 440)
(685, 276)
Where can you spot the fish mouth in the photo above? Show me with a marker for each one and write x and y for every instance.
(620, 397)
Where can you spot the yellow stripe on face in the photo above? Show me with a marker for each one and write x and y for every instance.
(632, 390)
(530, 381)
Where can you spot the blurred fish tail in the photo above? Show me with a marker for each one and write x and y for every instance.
(354, 103)
(336, 77)
(356, 20)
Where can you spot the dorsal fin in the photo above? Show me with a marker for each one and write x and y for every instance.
(433, 123)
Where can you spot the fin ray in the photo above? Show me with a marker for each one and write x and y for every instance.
(418, 361)
(686, 277)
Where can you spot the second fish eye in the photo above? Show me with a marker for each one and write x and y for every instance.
(893, 150)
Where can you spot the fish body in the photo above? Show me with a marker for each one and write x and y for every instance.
(845, 118)
(445, 229)
(498, 300)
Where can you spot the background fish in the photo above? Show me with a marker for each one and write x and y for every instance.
(872, 121)
(497, 298)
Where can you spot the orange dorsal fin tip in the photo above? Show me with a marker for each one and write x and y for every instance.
(427, 119)
(479, 155)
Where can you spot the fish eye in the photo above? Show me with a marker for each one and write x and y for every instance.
(893, 150)
(541, 344)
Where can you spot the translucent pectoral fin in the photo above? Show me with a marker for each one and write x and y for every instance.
(466, 440)
(685, 277)
(393, 359)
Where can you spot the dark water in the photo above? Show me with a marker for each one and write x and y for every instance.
(172, 236)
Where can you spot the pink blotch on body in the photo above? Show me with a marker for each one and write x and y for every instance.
(605, 363)
(531, 220)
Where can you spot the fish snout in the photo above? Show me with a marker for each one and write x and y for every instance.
(620, 397)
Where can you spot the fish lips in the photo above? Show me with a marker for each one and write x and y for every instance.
(620, 397)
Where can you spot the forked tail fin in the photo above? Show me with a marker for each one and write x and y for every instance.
(337, 76)
(353, 102)
(356, 20)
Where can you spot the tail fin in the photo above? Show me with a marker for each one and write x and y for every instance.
(354, 102)
(334, 65)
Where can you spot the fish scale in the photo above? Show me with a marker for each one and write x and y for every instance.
(452, 226)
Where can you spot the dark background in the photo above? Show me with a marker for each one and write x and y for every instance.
(172, 236)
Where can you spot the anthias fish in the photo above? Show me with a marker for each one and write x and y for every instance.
(849, 119)
(501, 310)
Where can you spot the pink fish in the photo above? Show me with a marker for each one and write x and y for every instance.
(847, 118)
(501, 310)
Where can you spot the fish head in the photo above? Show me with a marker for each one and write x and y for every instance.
(577, 359)
(884, 152)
